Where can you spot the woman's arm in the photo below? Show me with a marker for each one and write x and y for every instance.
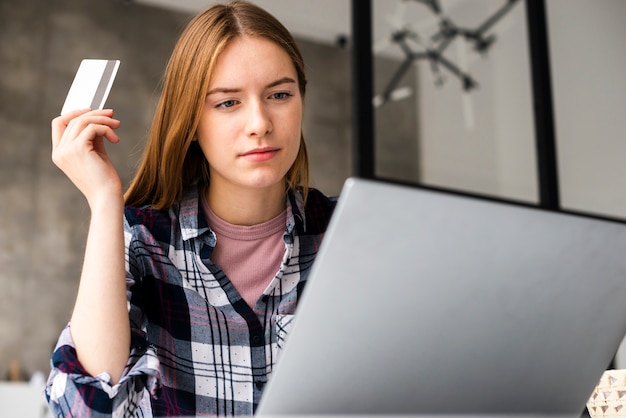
(100, 324)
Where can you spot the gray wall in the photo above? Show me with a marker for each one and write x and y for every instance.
(44, 219)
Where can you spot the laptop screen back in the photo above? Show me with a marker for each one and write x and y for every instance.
(423, 302)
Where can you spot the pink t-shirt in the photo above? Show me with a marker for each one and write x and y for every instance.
(250, 256)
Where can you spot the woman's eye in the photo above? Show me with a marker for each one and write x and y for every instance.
(226, 104)
(280, 95)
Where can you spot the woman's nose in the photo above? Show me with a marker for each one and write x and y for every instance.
(259, 120)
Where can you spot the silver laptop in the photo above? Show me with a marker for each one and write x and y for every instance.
(423, 302)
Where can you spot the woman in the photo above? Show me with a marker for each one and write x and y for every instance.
(190, 279)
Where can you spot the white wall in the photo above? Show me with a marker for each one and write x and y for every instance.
(589, 79)
(497, 155)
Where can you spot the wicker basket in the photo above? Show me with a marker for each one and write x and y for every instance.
(609, 397)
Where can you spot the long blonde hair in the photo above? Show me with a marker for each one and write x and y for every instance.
(172, 160)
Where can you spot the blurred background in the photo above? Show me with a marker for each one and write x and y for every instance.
(429, 128)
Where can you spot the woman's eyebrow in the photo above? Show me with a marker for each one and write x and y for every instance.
(284, 80)
(223, 90)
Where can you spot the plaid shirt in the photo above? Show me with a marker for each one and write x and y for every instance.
(197, 348)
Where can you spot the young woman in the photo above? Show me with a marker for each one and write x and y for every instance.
(190, 280)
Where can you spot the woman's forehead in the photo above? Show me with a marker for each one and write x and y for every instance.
(247, 59)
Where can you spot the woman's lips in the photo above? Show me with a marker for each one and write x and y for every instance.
(260, 154)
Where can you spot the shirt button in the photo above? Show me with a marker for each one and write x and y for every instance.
(259, 385)
(256, 340)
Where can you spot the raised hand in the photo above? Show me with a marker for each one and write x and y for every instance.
(78, 149)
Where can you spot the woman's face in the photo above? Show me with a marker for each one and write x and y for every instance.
(252, 118)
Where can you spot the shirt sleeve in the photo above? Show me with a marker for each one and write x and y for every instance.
(72, 392)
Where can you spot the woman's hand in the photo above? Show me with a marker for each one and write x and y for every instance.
(78, 149)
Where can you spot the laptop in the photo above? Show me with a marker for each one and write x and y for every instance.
(423, 302)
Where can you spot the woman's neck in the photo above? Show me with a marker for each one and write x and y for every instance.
(246, 207)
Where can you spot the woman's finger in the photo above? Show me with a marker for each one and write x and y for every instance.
(78, 125)
(67, 155)
(59, 124)
(70, 125)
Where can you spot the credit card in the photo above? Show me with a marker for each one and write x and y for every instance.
(92, 84)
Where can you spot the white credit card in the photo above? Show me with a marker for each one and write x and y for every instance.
(92, 84)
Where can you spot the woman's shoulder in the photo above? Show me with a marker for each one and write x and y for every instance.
(182, 215)
(145, 215)
(318, 210)
(317, 200)
(142, 220)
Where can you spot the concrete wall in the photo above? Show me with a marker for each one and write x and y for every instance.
(44, 219)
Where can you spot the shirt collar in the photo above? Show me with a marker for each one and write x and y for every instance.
(190, 216)
(193, 222)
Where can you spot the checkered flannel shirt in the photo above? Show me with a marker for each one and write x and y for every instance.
(197, 348)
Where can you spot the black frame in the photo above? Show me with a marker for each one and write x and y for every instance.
(363, 115)
(545, 137)
(363, 157)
